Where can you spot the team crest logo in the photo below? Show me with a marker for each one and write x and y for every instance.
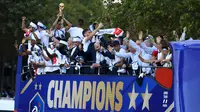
(36, 104)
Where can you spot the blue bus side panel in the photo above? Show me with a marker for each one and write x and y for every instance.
(18, 80)
(186, 69)
(73, 93)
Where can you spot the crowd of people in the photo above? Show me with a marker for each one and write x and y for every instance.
(86, 51)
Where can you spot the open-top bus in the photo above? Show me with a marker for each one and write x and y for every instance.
(105, 93)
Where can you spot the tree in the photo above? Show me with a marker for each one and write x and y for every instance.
(45, 11)
(158, 16)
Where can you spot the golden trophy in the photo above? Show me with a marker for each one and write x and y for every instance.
(61, 7)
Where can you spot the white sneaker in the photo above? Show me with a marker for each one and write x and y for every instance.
(121, 70)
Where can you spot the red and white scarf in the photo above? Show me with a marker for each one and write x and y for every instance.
(112, 31)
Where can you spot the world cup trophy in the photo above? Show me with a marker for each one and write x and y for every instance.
(61, 7)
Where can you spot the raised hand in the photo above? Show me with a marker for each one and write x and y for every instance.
(158, 40)
(23, 18)
(100, 25)
(147, 31)
(16, 45)
(138, 42)
(126, 40)
(127, 34)
(140, 35)
(152, 40)
(174, 32)
(184, 29)
(23, 40)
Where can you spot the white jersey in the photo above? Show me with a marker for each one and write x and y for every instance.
(99, 57)
(168, 57)
(159, 55)
(59, 33)
(64, 60)
(34, 49)
(117, 59)
(76, 31)
(38, 59)
(47, 63)
(85, 44)
(55, 60)
(44, 38)
(33, 37)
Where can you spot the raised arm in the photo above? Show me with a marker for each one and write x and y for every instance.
(44, 55)
(123, 55)
(18, 51)
(131, 43)
(183, 34)
(148, 50)
(54, 24)
(51, 56)
(23, 24)
(36, 37)
(134, 45)
(94, 32)
(108, 54)
(68, 24)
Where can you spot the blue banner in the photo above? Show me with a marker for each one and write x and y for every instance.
(61, 93)
(186, 75)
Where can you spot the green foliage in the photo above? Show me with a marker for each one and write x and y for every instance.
(11, 12)
(158, 16)
(45, 11)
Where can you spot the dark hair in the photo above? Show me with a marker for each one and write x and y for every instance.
(94, 25)
(121, 39)
(161, 37)
(115, 43)
(84, 31)
(110, 43)
(80, 22)
(164, 43)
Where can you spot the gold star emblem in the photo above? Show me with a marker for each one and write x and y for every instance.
(132, 97)
(146, 97)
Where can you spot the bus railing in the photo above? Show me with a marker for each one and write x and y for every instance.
(98, 68)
